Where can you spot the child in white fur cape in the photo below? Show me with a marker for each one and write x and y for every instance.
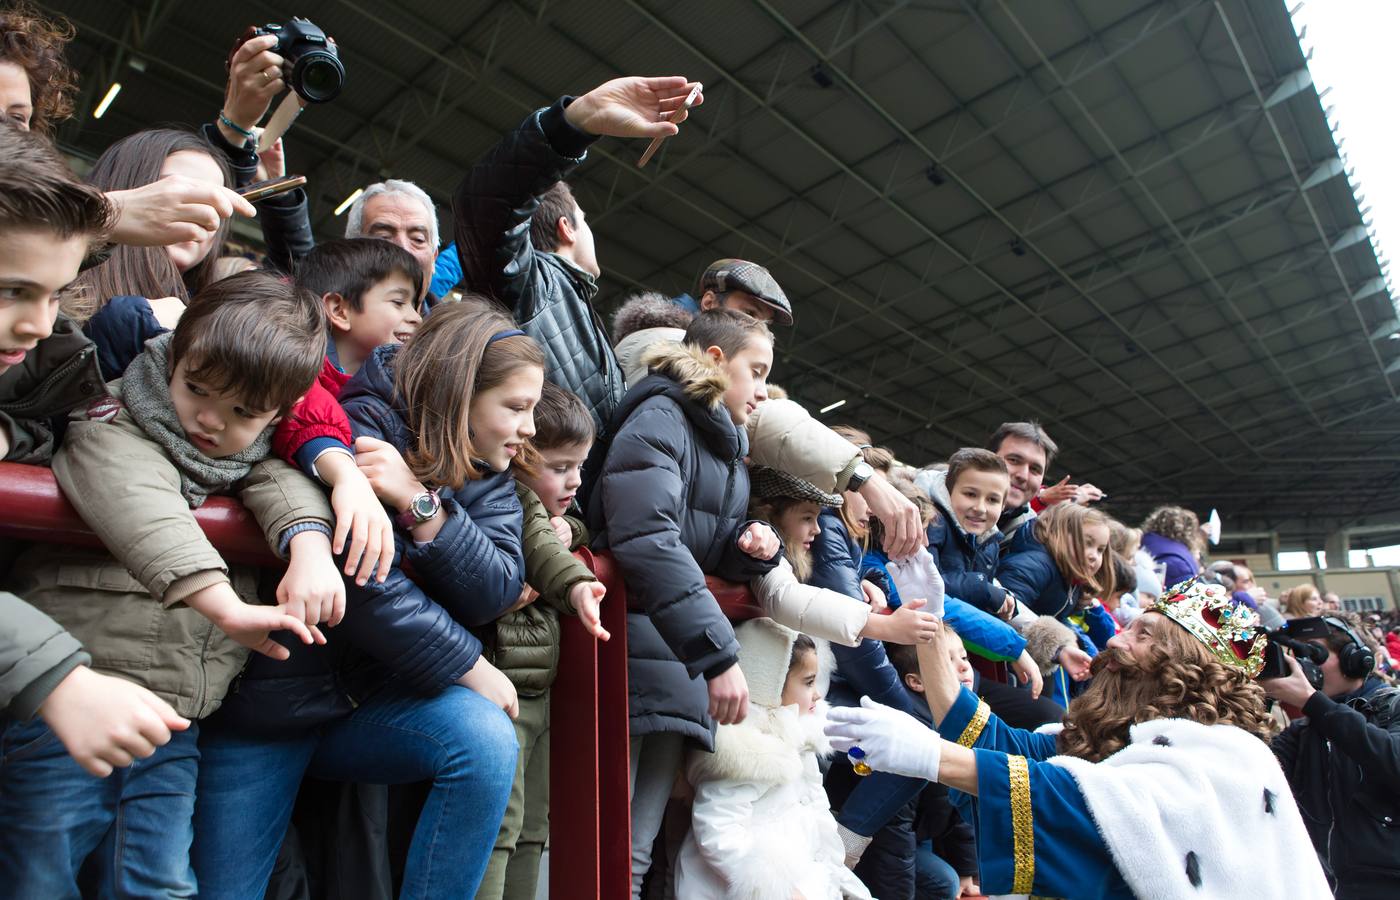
(761, 826)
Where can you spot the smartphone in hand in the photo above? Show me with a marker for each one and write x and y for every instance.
(656, 142)
(261, 190)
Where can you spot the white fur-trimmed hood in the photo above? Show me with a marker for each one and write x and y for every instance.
(766, 748)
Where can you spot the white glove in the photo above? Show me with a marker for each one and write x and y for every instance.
(893, 741)
(918, 577)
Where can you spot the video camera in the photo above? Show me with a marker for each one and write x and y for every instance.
(313, 67)
(1297, 635)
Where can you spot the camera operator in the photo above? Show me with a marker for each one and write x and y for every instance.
(1343, 761)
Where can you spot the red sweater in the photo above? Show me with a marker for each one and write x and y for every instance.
(316, 415)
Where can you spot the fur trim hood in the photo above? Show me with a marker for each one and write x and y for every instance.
(934, 482)
(766, 748)
(700, 377)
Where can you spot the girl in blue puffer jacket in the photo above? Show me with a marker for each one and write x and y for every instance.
(401, 693)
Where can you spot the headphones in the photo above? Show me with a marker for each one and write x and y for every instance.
(1355, 660)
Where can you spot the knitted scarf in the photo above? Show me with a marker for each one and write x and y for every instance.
(144, 390)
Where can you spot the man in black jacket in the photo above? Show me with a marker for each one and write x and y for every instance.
(1343, 762)
(523, 239)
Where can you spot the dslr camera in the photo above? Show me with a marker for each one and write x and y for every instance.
(313, 67)
(1296, 635)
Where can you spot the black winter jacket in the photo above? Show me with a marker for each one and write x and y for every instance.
(670, 504)
(415, 630)
(549, 296)
(285, 219)
(1343, 763)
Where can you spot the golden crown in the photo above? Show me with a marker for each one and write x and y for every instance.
(1229, 630)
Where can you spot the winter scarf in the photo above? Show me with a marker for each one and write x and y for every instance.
(144, 390)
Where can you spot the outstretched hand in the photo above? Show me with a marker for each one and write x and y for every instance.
(889, 740)
(633, 107)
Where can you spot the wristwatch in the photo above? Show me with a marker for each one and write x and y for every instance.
(860, 476)
(421, 508)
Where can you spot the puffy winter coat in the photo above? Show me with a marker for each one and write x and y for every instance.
(670, 504)
(1029, 573)
(550, 296)
(814, 611)
(35, 655)
(967, 562)
(58, 375)
(1343, 763)
(416, 630)
(761, 827)
(784, 436)
(1181, 563)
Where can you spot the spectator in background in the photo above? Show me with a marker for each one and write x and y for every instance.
(402, 213)
(1301, 602)
(1173, 536)
(142, 291)
(1027, 451)
(523, 238)
(1331, 602)
(744, 287)
(643, 319)
(36, 84)
(1343, 761)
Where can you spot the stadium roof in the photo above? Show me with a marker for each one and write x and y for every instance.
(1126, 219)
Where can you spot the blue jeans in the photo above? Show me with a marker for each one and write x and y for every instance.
(53, 815)
(936, 879)
(461, 741)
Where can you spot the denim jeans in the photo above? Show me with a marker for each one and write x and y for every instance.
(136, 822)
(459, 740)
(936, 879)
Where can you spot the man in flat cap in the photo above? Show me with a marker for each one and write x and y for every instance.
(744, 287)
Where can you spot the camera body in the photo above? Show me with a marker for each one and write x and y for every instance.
(313, 67)
(1296, 635)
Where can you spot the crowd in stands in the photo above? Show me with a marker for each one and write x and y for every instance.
(372, 717)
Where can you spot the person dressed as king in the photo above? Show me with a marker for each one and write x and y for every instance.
(1160, 783)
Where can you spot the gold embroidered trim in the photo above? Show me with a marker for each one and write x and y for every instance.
(975, 726)
(1022, 824)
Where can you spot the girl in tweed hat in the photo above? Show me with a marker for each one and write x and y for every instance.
(792, 506)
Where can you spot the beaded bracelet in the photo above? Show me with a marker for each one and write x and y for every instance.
(247, 133)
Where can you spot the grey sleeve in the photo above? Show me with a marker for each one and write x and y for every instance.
(35, 655)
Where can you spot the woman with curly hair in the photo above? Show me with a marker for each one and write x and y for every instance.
(1173, 536)
(1160, 784)
(36, 83)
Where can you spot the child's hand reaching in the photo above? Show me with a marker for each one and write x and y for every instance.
(907, 625)
(562, 529)
(760, 541)
(967, 887)
(491, 683)
(585, 597)
(360, 517)
(1028, 672)
(1076, 662)
(250, 625)
(312, 589)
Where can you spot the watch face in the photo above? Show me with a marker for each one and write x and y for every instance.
(424, 506)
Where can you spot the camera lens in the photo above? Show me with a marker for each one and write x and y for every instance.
(318, 76)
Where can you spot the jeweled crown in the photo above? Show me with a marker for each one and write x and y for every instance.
(1229, 630)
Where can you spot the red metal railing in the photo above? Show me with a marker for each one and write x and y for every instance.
(590, 833)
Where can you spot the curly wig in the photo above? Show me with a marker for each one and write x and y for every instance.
(35, 43)
(1179, 679)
